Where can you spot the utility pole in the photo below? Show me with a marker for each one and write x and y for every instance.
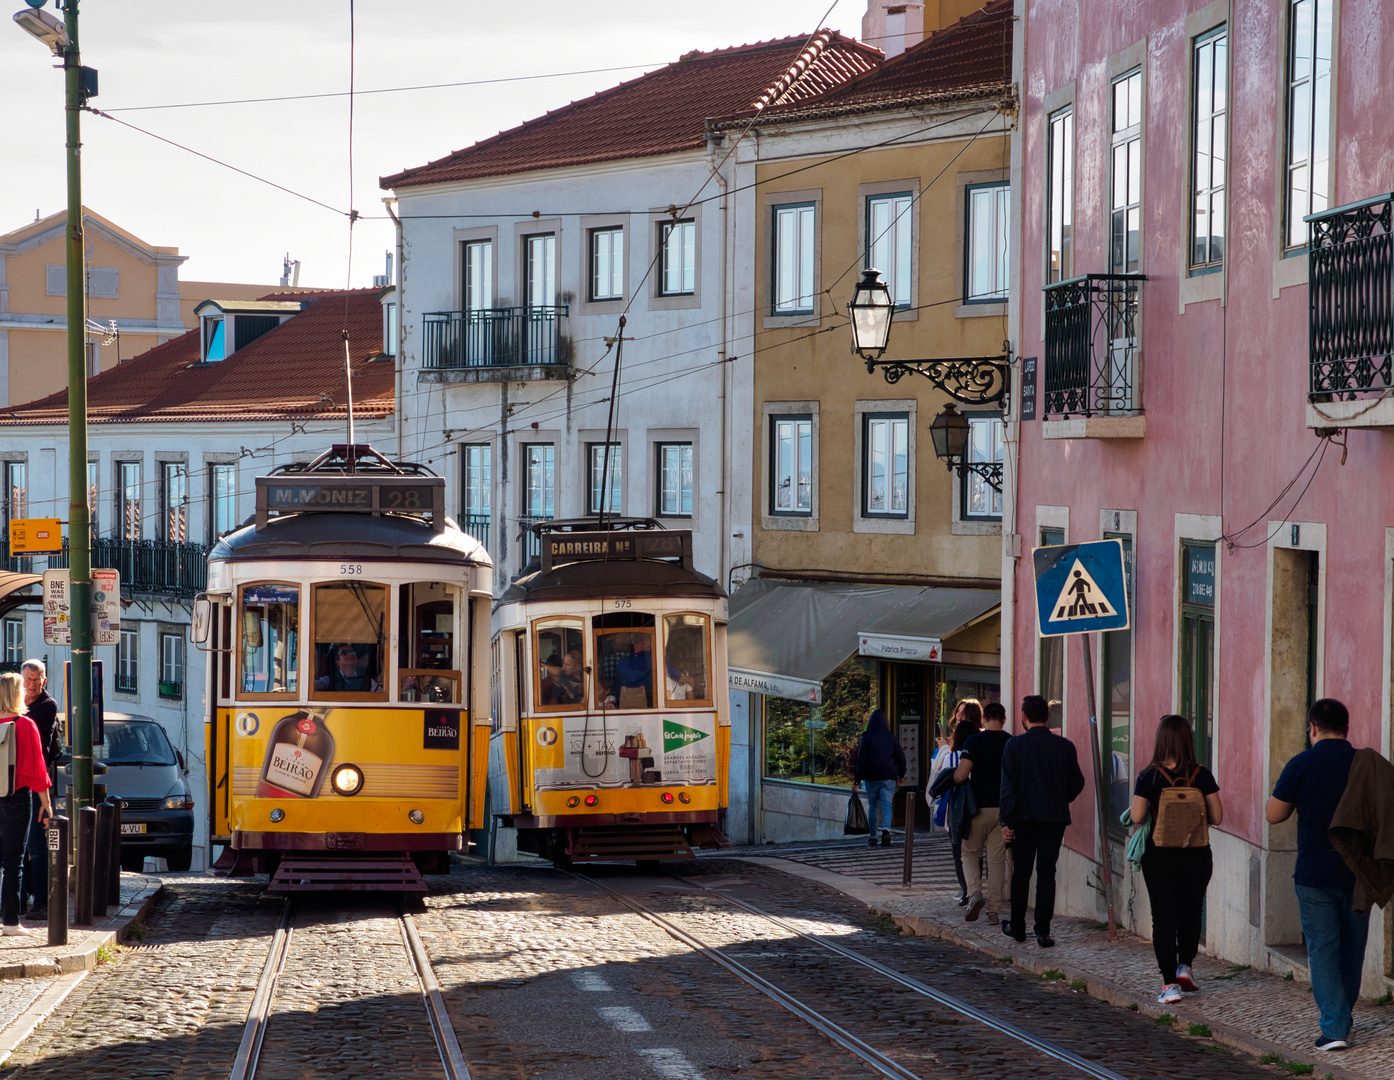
(79, 527)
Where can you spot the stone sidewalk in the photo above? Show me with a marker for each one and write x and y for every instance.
(1259, 1012)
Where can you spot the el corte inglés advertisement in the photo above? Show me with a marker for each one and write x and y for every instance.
(625, 751)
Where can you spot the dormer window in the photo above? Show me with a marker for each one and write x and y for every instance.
(214, 346)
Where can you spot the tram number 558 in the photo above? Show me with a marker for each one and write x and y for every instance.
(349, 569)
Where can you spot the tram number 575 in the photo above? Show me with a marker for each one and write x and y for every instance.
(349, 569)
(624, 603)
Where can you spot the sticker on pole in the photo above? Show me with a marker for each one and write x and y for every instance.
(1080, 588)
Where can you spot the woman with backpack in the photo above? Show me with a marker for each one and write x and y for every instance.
(1181, 800)
(27, 778)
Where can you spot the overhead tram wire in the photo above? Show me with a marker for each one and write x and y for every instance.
(348, 269)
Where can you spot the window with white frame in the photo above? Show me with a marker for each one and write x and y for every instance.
(677, 272)
(16, 490)
(602, 497)
(1211, 74)
(14, 644)
(1060, 196)
(985, 243)
(478, 277)
(607, 263)
(477, 476)
(791, 465)
(540, 480)
(1125, 216)
(540, 284)
(128, 661)
(222, 499)
(389, 329)
(890, 245)
(171, 665)
(214, 342)
(885, 465)
(174, 501)
(674, 480)
(1309, 113)
(793, 259)
(979, 500)
(128, 484)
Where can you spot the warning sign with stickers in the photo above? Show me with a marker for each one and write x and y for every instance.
(1080, 588)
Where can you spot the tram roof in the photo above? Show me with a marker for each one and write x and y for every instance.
(312, 535)
(592, 579)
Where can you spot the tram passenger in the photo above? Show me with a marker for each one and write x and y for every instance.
(565, 685)
(348, 676)
(635, 673)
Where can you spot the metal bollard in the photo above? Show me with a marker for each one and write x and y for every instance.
(101, 860)
(908, 870)
(57, 836)
(113, 896)
(82, 888)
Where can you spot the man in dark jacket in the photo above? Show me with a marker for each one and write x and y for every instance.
(1040, 778)
(43, 710)
(880, 764)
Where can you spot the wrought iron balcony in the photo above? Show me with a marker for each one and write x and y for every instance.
(477, 525)
(532, 541)
(495, 337)
(1091, 347)
(1350, 297)
(167, 568)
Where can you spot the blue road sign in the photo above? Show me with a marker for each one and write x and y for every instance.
(1080, 588)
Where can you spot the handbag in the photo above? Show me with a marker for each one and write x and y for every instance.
(856, 824)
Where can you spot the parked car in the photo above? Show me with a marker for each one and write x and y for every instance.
(150, 778)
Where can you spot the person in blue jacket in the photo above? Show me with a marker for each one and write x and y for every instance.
(880, 765)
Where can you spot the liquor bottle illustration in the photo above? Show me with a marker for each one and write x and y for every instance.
(297, 758)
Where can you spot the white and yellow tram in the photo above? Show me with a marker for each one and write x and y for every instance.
(611, 734)
(348, 708)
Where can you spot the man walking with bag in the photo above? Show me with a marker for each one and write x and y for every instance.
(1040, 778)
(1312, 784)
(981, 765)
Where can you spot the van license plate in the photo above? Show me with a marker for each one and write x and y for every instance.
(133, 829)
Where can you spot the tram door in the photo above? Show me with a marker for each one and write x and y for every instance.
(219, 736)
(520, 685)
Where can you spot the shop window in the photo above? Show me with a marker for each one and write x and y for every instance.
(686, 661)
(1051, 671)
(816, 744)
(1198, 645)
(270, 651)
(426, 633)
(559, 673)
(348, 623)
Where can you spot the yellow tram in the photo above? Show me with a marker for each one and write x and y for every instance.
(348, 709)
(611, 734)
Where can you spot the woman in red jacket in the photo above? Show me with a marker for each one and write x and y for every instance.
(30, 779)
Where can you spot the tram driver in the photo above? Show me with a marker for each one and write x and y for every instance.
(347, 674)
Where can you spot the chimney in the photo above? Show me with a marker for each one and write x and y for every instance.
(893, 28)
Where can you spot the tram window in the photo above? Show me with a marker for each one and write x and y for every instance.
(349, 623)
(685, 660)
(270, 639)
(426, 636)
(624, 668)
(560, 674)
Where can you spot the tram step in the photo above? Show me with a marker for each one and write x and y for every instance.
(302, 874)
(626, 844)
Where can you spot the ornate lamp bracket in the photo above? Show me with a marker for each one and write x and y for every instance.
(972, 380)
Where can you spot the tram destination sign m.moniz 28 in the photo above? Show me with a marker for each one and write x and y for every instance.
(1080, 588)
(361, 494)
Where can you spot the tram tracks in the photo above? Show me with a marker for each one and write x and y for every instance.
(880, 1062)
(261, 1015)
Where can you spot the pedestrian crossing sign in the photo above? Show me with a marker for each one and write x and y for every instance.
(1080, 588)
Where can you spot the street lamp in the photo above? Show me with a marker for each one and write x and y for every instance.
(973, 380)
(80, 83)
(949, 432)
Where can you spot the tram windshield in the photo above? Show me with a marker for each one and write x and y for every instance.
(624, 665)
(348, 624)
(685, 654)
(559, 649)
(270, 651)
(426, 635)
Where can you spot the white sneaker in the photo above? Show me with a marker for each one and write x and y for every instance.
(14, 931)
(1170, 995)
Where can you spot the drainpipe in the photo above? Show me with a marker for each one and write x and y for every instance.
(724, 555)
(400, 359)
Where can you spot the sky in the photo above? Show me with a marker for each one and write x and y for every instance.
(235, 229)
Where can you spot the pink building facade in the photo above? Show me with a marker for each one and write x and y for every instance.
(1214, 390)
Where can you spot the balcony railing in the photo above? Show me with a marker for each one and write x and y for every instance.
(532, 542)
(477, 525)
(159, 567)
(1091, 346)
(494, 337)
(1350, 297)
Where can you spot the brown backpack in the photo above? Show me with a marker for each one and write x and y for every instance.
(1181, 817)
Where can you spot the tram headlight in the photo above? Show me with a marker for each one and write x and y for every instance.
(417, 817)
(277, 815)
(667, 796)
(347, 779)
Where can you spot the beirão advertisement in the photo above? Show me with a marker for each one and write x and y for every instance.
(625, 750)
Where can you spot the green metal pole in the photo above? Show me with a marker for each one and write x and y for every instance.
(79, 529)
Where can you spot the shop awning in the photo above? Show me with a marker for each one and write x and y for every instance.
(785, 636)
(12, 585)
